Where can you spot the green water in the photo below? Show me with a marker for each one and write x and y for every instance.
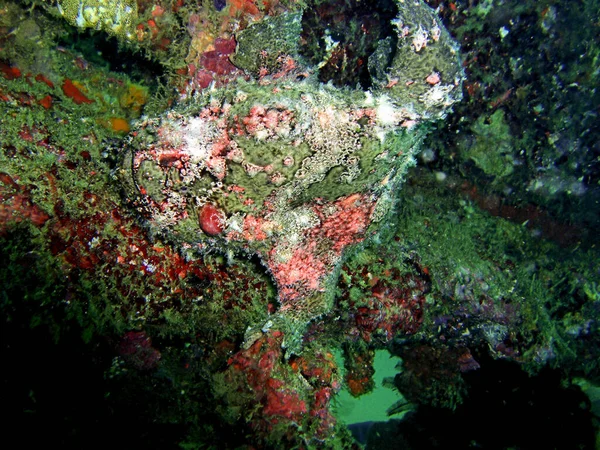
(371, 406)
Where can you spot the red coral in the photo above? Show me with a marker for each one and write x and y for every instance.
(211, 220)
(136, 349)
(217, 63)
(72, 91)
(242, 7)
(40, 78)
(348, 223)
(262, 122)
(283, 402)
(402, 305)
(16, 205)
(203, 78)
(392, 302)
(46, 102)
(302, 272)
(9, 72)
(253, 228)
(263, 377)
(214, 65)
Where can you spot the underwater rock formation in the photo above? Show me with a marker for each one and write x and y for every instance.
(278, 165)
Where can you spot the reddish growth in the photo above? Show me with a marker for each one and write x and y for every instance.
(211, 220)
(72, 91)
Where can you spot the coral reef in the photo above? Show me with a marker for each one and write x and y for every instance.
(201, 203)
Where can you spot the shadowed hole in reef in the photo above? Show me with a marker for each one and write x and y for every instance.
(504, 407)
(340, 36)
(104, 51)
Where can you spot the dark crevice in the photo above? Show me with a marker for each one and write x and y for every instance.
(104, 51)
(357, 27)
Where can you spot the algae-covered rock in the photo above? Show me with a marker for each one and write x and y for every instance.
(492, 147)
(294, 177)
(421, 69)
(263, 46)
(291, 171)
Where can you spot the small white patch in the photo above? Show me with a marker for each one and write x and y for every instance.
(267, 326)
(80, 20)
(386, 114)
(381, 134)
(195, 137)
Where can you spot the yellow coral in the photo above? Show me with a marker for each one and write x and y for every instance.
(201, 42)
(133, 99)
(115, 17)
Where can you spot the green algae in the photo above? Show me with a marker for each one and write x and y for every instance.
(263, 45)
(493, 146)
